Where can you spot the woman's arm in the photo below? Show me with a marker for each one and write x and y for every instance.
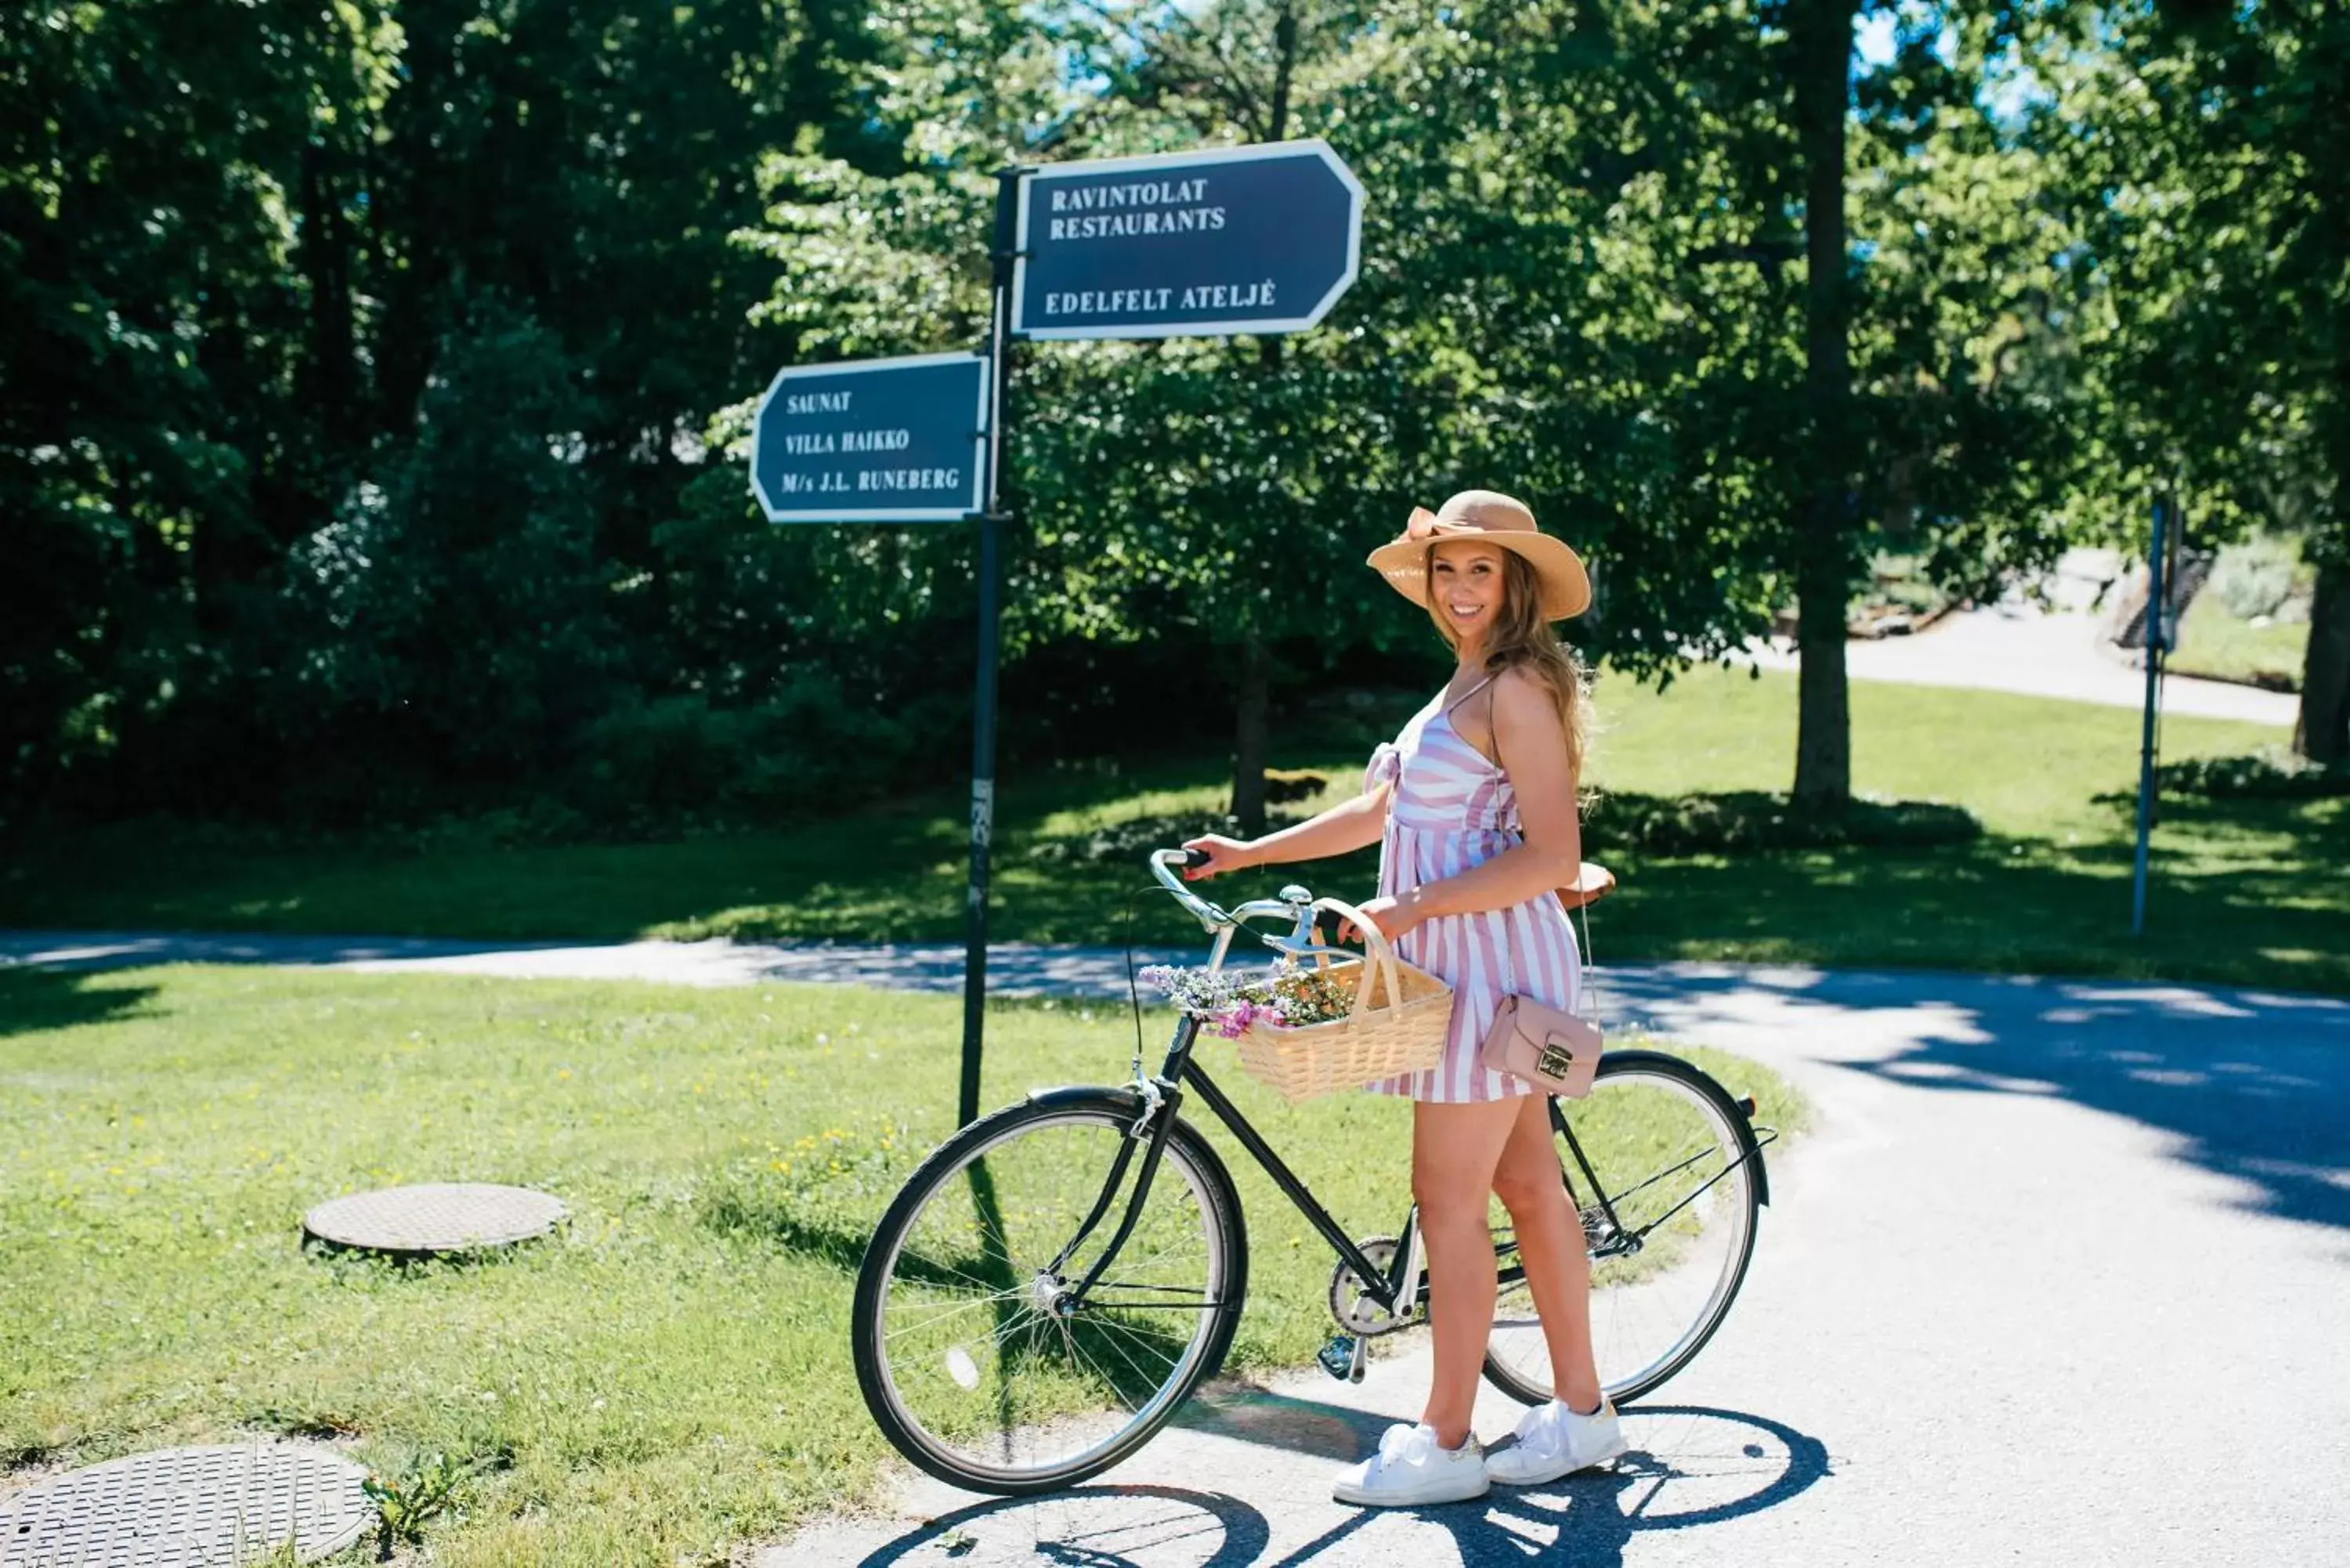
(1532, 741)
(1349, 826)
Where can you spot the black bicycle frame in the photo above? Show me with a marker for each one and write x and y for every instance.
(1178, 1072)
(1382, 1285)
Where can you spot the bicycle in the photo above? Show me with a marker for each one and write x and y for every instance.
(1016, 1329)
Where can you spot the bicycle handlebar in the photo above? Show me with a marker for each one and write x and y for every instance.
(1199, 908)
(1214, 918)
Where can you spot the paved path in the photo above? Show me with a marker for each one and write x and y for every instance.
(2062, 1277)
(2059, 651)
(1014, 969)
(2014, 648)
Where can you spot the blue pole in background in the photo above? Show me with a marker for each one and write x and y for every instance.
(2158, 641)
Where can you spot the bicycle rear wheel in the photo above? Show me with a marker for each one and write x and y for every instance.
(1675, 1159)
(975, 1360)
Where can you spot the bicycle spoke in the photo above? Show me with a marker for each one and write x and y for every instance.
(987, 1365)
(1668, 1242)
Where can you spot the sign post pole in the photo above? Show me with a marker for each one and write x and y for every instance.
(983, 706)
(1261, 239)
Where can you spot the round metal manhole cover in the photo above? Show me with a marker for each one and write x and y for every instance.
(189, 1508)
(443, 1217)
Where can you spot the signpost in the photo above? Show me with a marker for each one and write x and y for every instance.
(1239, 239)
(874, 441)
(1259, 239)
(2161, 566)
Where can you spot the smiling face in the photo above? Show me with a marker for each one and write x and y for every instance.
(1466, 586)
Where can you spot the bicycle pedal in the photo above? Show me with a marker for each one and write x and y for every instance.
(1342, 1358)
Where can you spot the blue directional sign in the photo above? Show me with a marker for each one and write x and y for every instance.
(874, 441)
(1239, 239)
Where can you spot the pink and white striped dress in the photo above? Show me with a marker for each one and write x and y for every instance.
(1450, 810)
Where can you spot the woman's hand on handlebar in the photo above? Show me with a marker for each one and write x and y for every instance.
(1223, 854)
(1394, 917)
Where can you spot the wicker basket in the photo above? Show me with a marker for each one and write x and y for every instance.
(1401, 1016)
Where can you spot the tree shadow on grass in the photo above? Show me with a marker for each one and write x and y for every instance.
(32, 999)
(2253, 895)
(838, 1245)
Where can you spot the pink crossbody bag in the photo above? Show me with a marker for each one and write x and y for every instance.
(1551, 1048)
(1554, 1050)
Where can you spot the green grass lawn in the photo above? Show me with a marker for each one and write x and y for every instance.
(2215, 643)
(665, 1379)
(2246, 891)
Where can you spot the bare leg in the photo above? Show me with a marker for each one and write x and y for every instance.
(1550, 1246)
(1454, 1151)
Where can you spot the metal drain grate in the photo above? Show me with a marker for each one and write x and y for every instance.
(189, 1508)
(435, 1218)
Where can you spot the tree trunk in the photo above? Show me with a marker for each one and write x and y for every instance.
(330, 371)
(1821, 35)
(2321, 731)
(1248, 739)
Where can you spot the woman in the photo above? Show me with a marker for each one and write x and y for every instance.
(1473, 810)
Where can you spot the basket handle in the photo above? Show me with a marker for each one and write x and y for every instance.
(1376, 951)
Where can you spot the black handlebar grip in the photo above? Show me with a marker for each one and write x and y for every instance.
(1192, 857)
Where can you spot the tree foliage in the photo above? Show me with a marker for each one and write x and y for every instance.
(374, 374)
(2197, 151)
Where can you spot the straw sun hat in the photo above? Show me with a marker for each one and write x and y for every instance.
(1498, 520)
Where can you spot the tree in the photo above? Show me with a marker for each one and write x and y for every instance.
(2199, 147)
(1525, 317)
(458, 608)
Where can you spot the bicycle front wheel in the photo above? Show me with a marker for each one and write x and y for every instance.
(976, 1359)
(1662, 1167)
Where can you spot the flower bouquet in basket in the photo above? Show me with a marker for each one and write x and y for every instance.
(1309, 1029)
(1228, 1000)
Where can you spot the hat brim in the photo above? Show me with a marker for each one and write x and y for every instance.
(1564, 586)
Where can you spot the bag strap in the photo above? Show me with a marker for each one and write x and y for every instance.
(1588, 989)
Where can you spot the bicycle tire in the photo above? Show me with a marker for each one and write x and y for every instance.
(1731, 1126)
(1189, 1163)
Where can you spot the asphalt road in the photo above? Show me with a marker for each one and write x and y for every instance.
(2062, 1276)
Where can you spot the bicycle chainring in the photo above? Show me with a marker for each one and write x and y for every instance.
(1355, 1309)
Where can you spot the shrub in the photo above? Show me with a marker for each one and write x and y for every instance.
(2269, 775)
(1744, 821)
(1736, 823)
(678, 758)
(2255, 577)
(1129, 841)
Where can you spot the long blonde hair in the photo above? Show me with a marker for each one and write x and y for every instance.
(1520, 638)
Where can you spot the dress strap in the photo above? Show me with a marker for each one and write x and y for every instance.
(1466, 695)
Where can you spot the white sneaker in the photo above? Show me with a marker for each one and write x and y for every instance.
(1409, 1469)
(1553, 1442)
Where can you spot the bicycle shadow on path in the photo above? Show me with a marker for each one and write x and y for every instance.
(1258, 1463)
